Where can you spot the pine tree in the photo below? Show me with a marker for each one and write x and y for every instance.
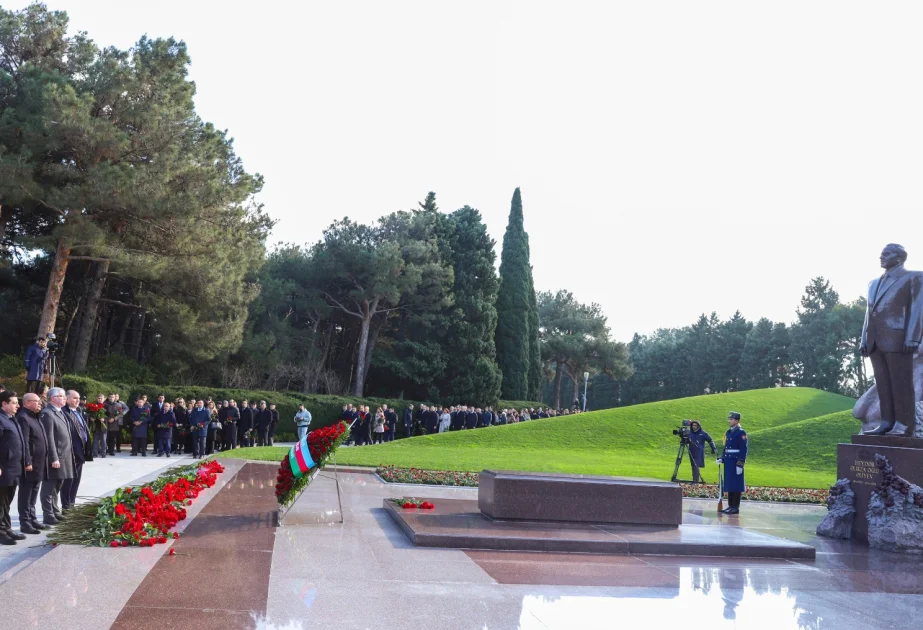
(514, 306)
(535, 349)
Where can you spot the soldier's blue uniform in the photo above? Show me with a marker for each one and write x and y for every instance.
(735, 454)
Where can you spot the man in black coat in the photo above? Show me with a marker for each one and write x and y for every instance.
(263, 420)
(12, 467)
(60, 455)
(245, 426)
(80, 436)
(231, 421)
(471, 418)
(458, 419)
(391, 421)
(408, 421)
(274, 420)
(35, 458)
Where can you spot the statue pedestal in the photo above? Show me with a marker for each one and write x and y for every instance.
(856, 462)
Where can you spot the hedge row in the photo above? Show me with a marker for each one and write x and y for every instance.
(325, 410)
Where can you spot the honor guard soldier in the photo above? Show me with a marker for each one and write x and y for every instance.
(733, 458)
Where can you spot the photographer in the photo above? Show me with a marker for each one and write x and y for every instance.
(36, 364)
(697, 440)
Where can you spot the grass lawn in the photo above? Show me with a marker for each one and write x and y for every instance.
(792, 432)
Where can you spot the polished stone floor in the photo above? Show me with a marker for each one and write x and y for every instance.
(338, 560)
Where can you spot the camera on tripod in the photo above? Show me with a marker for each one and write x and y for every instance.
(51, 342)
(683, 431)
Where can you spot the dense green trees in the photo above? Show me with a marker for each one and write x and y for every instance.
(518, 352)
(821, 349)
(575, 339)
(104, 164)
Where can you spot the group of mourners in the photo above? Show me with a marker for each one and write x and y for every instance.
(381, 426)
(198, 427)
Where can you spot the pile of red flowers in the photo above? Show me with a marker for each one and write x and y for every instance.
(141, 516)
(321, 445)
(412, 504)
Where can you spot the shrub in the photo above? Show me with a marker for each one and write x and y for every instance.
(117, 368)
(11, 366)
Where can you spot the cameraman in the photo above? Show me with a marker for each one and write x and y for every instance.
(36, 365)
(697, 440)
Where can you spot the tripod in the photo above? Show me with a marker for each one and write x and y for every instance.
(680, 454)
(52, 366)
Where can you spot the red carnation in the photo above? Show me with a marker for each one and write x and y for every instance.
(172, 551)
(408, 505)
(114, 543)
(124, 543)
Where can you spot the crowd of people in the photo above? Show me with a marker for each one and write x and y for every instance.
(381, 426)
(45, 442)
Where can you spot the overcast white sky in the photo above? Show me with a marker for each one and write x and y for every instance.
(674, 157)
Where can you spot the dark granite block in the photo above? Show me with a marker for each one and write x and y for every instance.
(514, 495)
(456, 524)
(856, 462)
(883, 440)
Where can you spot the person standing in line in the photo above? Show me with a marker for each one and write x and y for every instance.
(274, 420)
(36, 364)
(390, 423)
(223, 422)
(262, 424)
(445, 420)
(80, 437)
(138, 418)
(35, 458)
(60, 456)
(164, 432)
(199, 420)
(182, 425)
(378, 430)
(245, 430)
(734, 458)
(100, 428)
(303, 420)
(231, 420)
(212, 428)
(119, 411)
(12, 466)
(408, 421)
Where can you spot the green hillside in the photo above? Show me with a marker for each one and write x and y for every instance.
(793, 435)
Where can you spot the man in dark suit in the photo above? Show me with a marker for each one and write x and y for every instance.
(230, 422)
(80, 436)
(408, 421)
(12, 467)
(391, 421)
(471, 418)
(263, 420)
(36, 462)
(60, 456)
(273, 421)
(157, 407)
(245, 428)
(892, 332)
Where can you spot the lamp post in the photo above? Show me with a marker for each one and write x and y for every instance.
(586, 378)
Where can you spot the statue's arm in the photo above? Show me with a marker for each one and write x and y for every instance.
(915, 323)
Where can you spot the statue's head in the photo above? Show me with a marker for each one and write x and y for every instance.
(892, 256)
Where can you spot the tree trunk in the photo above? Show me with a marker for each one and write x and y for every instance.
(54, 290)
(65, 350)
(558, 370)
(90, 311)
(576, 389)
(140, 336)
(373, 339)
(5, 213)
(362, 365)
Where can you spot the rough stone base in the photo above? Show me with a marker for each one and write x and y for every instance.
(841, 512)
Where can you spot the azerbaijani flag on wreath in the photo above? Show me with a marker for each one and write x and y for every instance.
(300, 458)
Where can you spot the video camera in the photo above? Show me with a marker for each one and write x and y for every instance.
(52, 343)
(683, 431)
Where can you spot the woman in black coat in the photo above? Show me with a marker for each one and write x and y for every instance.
(36, 462)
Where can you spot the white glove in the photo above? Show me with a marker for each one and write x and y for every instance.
(719, 461)
(740, 470)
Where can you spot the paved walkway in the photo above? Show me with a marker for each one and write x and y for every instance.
(235, 568)
(100, 478)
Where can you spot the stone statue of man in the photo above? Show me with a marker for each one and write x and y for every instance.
(891, 334)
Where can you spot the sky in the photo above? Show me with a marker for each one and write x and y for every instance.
(674, 157)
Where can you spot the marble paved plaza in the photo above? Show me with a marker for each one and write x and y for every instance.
(236, 567)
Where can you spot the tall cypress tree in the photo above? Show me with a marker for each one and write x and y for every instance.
(515, 307)
(535, 350)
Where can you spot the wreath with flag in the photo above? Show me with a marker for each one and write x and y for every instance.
(308, 455)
